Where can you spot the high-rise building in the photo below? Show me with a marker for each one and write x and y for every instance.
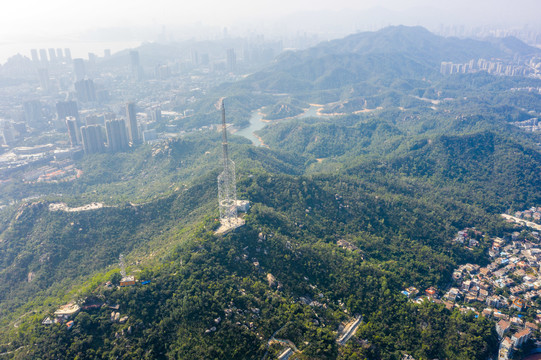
(163, 72)
(68, 108)
(32, 113)
(44, 81)
(95, 120)
(205, 59)
(231, 60)
(195, 57)
(52, 55)
(7, 133)
(59, 54)
(117, 140)
(92, 57)
(79, 69)
(92, 139)
(156, 114)
(85, 90)
(19, 128)
(149, 135)
(67, 54)
(43, 56)
(135, 66)
(103, 96)
(133, 134)
(73, 130)
(34, 55)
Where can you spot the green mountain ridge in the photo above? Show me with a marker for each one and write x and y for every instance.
(394, 185)
(299, 246)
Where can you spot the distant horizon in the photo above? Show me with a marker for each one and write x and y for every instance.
(80, 48)
(59, 20)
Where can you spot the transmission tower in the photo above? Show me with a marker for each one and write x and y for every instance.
(227, 187)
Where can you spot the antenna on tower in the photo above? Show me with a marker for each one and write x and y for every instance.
(227, 185)
(225, 146)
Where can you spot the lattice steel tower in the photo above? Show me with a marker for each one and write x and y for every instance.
(227, 186)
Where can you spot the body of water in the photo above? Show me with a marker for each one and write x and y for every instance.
(257, 123)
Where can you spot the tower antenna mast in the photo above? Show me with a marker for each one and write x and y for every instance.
(227, 186)
(225, 146)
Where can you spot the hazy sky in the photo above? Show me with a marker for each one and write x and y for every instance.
(35, 19)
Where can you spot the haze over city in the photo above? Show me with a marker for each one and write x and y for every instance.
(101, 20)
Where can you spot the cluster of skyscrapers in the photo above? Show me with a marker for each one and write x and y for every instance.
(54, 55)
(530, 67)
(119, 134)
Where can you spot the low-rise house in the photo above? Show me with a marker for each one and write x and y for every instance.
(485, 271)
(487, 312)
(474, 291)
(453, 294)
(506, 349)
(483, 294)
(502, 327)
(528, 286)
(67, 311)
(521, 337)
(412, 291)
(500, 316)
(530, 295)
(472, 268)
(516, 290)
(449, 305)
(516, 321)
(493, 301)
(518, 304)
(520, 273)
(127, 281)
(431, 292)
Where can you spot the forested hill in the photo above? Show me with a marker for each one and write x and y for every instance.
(391, 53)
(348, 209)
(398, 226)
(397, 66)
(256, 284)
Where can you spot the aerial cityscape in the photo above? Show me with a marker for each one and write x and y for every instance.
(286, 180)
